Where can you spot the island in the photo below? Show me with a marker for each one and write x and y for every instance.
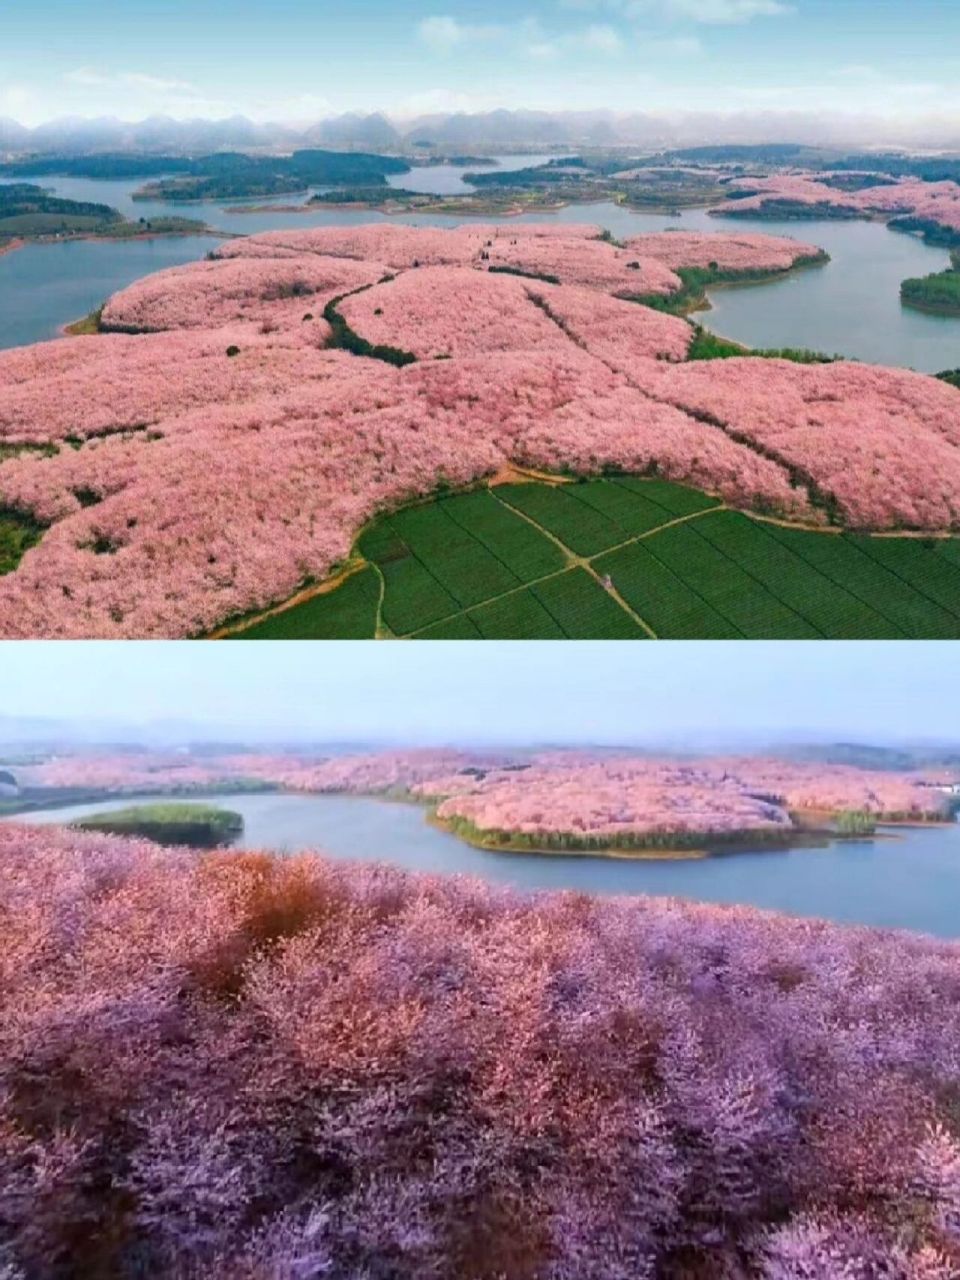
(236, 175)
(597, 803)
(199, 826)
(28, 213)
(938, 293)
(915, 204)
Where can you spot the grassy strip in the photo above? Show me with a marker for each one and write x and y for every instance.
(527, 275)
(18, 533)
(347, 339)
(709, 346)
(88, 325)
(352, 616)
(16, 450)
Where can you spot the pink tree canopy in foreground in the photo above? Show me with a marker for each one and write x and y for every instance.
(238, 1065)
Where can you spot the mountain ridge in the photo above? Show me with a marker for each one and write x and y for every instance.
(497, 128)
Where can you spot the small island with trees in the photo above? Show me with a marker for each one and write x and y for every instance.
(197, 825)
(30, 213)
(234, 175)
(938, 293)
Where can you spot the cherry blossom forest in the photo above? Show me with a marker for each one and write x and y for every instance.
(238, 420)
(605, 795)
(937, 203)
(245, 1066)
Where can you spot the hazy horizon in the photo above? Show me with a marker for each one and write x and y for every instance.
(496, 130)
(296, 62)
(514, 693)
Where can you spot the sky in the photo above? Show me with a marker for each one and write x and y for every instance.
(511, 692)
(301, 60)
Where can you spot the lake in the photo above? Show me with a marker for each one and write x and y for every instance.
(910, 880)
(851, 306)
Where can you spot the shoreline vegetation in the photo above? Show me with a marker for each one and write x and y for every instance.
(195, 825)
(156, 229)
(40, 799)
(31, 215)
(937, 293)
(177, 818)
(812, 829)
(698, 280)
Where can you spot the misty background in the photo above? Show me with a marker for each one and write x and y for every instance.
(454, 72)
(709, 695)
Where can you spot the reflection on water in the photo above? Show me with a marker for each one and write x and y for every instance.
(910, 881)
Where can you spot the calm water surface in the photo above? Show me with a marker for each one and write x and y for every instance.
(45, 286)
(851, 306)
(911, 881)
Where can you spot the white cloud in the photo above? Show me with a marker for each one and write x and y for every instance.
(441, 34)
(15, 98)
(543, 49)
(679, 46)
(444, 35)
(89, 77)
(603, 39)
(709, 12)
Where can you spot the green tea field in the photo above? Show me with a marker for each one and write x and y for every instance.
(623, 558)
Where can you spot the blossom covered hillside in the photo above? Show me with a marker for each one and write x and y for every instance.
(247, 1067)
(935, 202)
(438, 312)
(902, 421)
(678, 249)
(602, 796)
(625, 798)
(261, 407)
(207, 295)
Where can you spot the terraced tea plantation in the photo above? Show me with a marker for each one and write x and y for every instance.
(623, 558)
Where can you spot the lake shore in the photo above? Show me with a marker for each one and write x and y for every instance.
(120, 239)
(613, 851)
(931, 308)
(800, 837)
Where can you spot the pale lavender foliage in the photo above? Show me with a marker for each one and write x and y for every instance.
(249, 1067)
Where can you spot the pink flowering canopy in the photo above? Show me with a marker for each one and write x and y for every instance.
(937, 202)
(215, 452)
(548, 792)
(243, 1067)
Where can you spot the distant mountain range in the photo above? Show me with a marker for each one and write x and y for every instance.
(491, 130)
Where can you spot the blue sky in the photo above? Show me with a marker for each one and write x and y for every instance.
(521, 692)
(302, 59)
